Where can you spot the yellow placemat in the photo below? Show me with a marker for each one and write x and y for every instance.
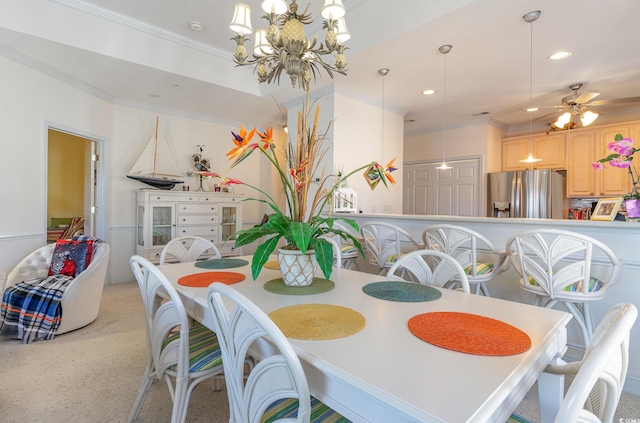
(318, 321)
(273, 264)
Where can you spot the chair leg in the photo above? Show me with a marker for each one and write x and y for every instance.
(580, 320)
(484, 289)
(145, 385)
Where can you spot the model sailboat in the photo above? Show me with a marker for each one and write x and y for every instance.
(156, 165)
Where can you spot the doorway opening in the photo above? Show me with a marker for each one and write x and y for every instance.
(74, 173)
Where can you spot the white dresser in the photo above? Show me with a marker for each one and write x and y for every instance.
(164, 215)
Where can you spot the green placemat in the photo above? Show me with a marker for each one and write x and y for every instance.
(318, 286)
(223, 263)
(404, 292)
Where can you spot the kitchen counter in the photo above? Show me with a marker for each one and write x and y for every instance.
(622, 237)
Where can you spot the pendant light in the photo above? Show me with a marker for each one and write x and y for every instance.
(383, 72)
(531, 17)
(444, 50)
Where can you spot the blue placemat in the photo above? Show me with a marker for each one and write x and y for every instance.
(222, 263)
(405, 292)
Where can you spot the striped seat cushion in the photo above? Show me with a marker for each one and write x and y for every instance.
(515, 418)
(288, 408)
(594, 285)
(481, 268)
(348, 249)
(204, 349)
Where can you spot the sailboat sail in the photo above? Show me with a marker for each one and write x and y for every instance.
(156, 165)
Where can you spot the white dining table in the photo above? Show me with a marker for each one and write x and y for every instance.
(386, 374)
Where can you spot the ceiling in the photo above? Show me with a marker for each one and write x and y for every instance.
(144, 53)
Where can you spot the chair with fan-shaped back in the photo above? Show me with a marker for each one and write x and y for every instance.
(559, 266)
(480, 259)
(276, 387)
(188, 248)
(183, 355)
(348, 251)
(384, 243)
(599, 377)
(430, 267)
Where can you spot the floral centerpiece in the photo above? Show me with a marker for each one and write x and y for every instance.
(621, 157)
(302, 223)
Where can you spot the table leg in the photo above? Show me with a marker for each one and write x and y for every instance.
(550, 392)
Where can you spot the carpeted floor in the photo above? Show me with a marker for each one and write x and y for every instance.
(92, 375)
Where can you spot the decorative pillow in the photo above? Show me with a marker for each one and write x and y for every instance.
(71, 257)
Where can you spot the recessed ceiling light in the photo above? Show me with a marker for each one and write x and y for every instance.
(196, 26)
(532, 109)
(429, 92)
(560, 55)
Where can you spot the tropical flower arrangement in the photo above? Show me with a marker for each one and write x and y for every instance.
(301, 224)
(622, 157)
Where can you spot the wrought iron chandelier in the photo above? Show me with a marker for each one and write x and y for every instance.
(283, 46)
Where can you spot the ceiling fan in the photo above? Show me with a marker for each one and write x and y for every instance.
(580, 105)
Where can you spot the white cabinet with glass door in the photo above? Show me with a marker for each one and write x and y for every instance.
(164, 215)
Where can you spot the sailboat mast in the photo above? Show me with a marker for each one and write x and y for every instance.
(155, 147)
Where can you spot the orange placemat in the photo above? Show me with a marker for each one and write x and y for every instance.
(203, 280)
(469, 333)
(317, 322)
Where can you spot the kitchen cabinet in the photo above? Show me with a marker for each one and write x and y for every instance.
(550, 148)
(585, 147)
(164, 215)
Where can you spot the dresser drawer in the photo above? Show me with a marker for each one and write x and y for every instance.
(197, 219)
(203, 231)
(197, 208)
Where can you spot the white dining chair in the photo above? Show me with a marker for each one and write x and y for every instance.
(554, 264)
(188, 248)
(599, 377)
(430, 267)
(384, 243)
(276, 387)
(183, 355)
(349, 252)
(479, 258)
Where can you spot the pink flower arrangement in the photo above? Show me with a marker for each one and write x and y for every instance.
(621, 157)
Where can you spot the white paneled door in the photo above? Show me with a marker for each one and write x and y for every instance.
(454, 191)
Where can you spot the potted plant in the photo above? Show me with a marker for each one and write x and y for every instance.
(303, 222)
(622, 157)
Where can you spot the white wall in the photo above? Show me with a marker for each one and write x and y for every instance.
(31, 100)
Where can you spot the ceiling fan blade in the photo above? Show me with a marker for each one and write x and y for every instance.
(544, 117)
(585, 97)
(614, 101)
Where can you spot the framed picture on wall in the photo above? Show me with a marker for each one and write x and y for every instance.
(606, 209)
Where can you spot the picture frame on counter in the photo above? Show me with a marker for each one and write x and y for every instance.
(606, 209)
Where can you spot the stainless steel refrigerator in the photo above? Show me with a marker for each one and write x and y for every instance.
(525, 194)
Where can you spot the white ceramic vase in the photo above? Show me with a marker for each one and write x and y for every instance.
(297, 268)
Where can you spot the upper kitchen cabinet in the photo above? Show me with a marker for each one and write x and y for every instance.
(585, 146)
(550, 148)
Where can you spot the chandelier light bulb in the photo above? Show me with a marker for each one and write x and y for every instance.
(241, 22)
(274, 6)
(342, 33)
(333, 9)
